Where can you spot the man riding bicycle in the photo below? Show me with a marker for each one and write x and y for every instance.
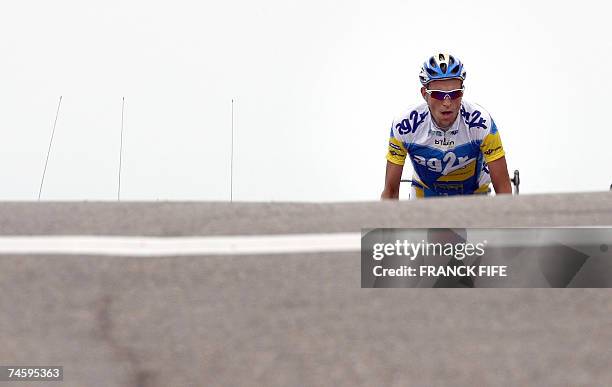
(454, 145)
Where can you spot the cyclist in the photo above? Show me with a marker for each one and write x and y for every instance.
(454, 145)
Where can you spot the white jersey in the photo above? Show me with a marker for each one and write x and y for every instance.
(446, 162)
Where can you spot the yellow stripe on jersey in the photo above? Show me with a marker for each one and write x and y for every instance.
(492, 148)
(460, 174)
(397, 152)
(418, 192)
(483, 189)
(420, 182)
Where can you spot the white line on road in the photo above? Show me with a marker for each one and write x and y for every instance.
(179, 246)
(142, 246)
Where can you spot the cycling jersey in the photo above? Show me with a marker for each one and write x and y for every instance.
(446, 162)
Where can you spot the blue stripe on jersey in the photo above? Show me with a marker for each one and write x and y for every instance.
(423, 150)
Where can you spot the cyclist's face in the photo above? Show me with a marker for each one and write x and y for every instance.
(443, 112)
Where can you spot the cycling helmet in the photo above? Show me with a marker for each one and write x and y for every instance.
(441, 66)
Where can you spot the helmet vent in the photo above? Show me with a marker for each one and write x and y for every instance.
(431, 72)
(441, 57)
(443, 67)
(432, 62)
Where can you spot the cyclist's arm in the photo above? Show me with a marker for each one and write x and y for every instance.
(392, 181)
(499, 176)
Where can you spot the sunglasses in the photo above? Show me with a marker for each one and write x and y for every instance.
(441, 95)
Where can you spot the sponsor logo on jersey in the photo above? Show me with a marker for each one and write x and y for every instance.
(448, 188)
(449, 162)
(473, 119)
(444, 142)
(411, 124)
(490, 151)
(392, 145)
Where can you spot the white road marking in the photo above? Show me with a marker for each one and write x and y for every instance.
(138, 246)
(143, 246)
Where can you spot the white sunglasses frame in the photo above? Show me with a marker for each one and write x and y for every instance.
(429, 91)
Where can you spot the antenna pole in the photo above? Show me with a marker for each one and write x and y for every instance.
(42, 181)
(121, 150)
(232, 158)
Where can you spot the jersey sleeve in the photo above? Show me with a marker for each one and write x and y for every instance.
(491, 146)
(396, 152)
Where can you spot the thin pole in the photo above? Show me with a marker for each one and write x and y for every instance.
(232, 159)
(121, 150)
(42, 181)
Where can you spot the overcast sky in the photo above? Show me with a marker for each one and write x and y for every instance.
(316, 85)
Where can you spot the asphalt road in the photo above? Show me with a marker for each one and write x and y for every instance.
(295, 319)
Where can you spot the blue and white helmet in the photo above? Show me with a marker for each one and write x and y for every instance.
(441, 66)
